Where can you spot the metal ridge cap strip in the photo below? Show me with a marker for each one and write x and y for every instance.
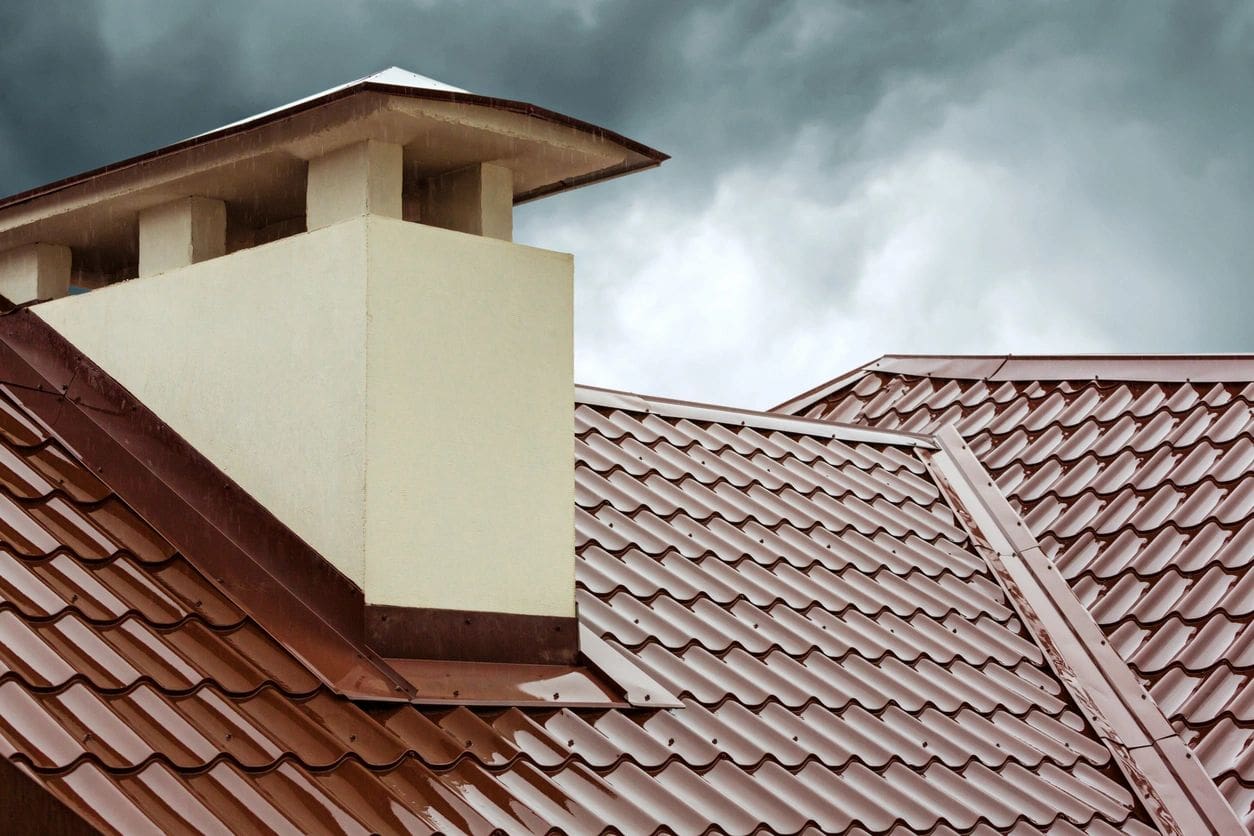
(1160, 768)
(1132, 368)
(810, 397)
(671, 408)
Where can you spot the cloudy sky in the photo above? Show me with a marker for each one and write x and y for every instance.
(848, 179)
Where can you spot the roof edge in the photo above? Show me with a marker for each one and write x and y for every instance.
(770, 421)
(1159, 766)
(1129, 368)
(1136, 368)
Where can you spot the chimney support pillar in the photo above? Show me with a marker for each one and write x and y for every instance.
(35, 271)
(359, 179)
(180, 233)
(478, 199)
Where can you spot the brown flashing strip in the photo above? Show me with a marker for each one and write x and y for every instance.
(27, 806)
(1170, 782)
(518, 686)
(653, 157)
(277, 578)
(471, 636)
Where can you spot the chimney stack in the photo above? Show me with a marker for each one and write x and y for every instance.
(325, 301)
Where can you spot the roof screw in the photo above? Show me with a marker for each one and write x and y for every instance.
(457, 693)
(556, 695)
(570, 742)
(647, 697)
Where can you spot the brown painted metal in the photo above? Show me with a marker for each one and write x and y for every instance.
(654, 157)
(1181, 798)
(843, 658)
(26, 806)
(520, 686)
(471, 636)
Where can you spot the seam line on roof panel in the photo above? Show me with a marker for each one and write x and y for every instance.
(1159, 767)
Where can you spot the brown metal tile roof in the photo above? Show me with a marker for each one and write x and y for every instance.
(1137, 476)
(846, 660)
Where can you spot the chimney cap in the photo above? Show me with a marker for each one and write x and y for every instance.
(392, 82)
(391, 77)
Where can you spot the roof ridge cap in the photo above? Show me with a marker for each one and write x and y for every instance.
(770, 421)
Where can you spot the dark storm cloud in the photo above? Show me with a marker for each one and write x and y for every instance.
(848, 178)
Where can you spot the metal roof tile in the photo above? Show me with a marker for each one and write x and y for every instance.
(1140, 490)
(844, 657)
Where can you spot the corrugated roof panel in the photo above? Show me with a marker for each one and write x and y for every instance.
(845, 660)
(1142, 492)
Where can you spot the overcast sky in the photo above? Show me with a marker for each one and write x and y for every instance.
(848, 179)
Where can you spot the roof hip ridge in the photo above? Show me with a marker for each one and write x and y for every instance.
(1161, 769)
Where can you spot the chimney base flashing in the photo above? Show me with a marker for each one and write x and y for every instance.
(471, 636)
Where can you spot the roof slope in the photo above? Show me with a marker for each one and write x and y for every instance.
(846, 660)
(1137, 476)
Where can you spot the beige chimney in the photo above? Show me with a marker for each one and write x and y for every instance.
(325, 301)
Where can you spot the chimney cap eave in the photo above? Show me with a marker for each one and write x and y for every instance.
(391, 82)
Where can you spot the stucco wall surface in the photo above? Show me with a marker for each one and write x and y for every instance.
(399, 395)
(258, 359)
(470, 386)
